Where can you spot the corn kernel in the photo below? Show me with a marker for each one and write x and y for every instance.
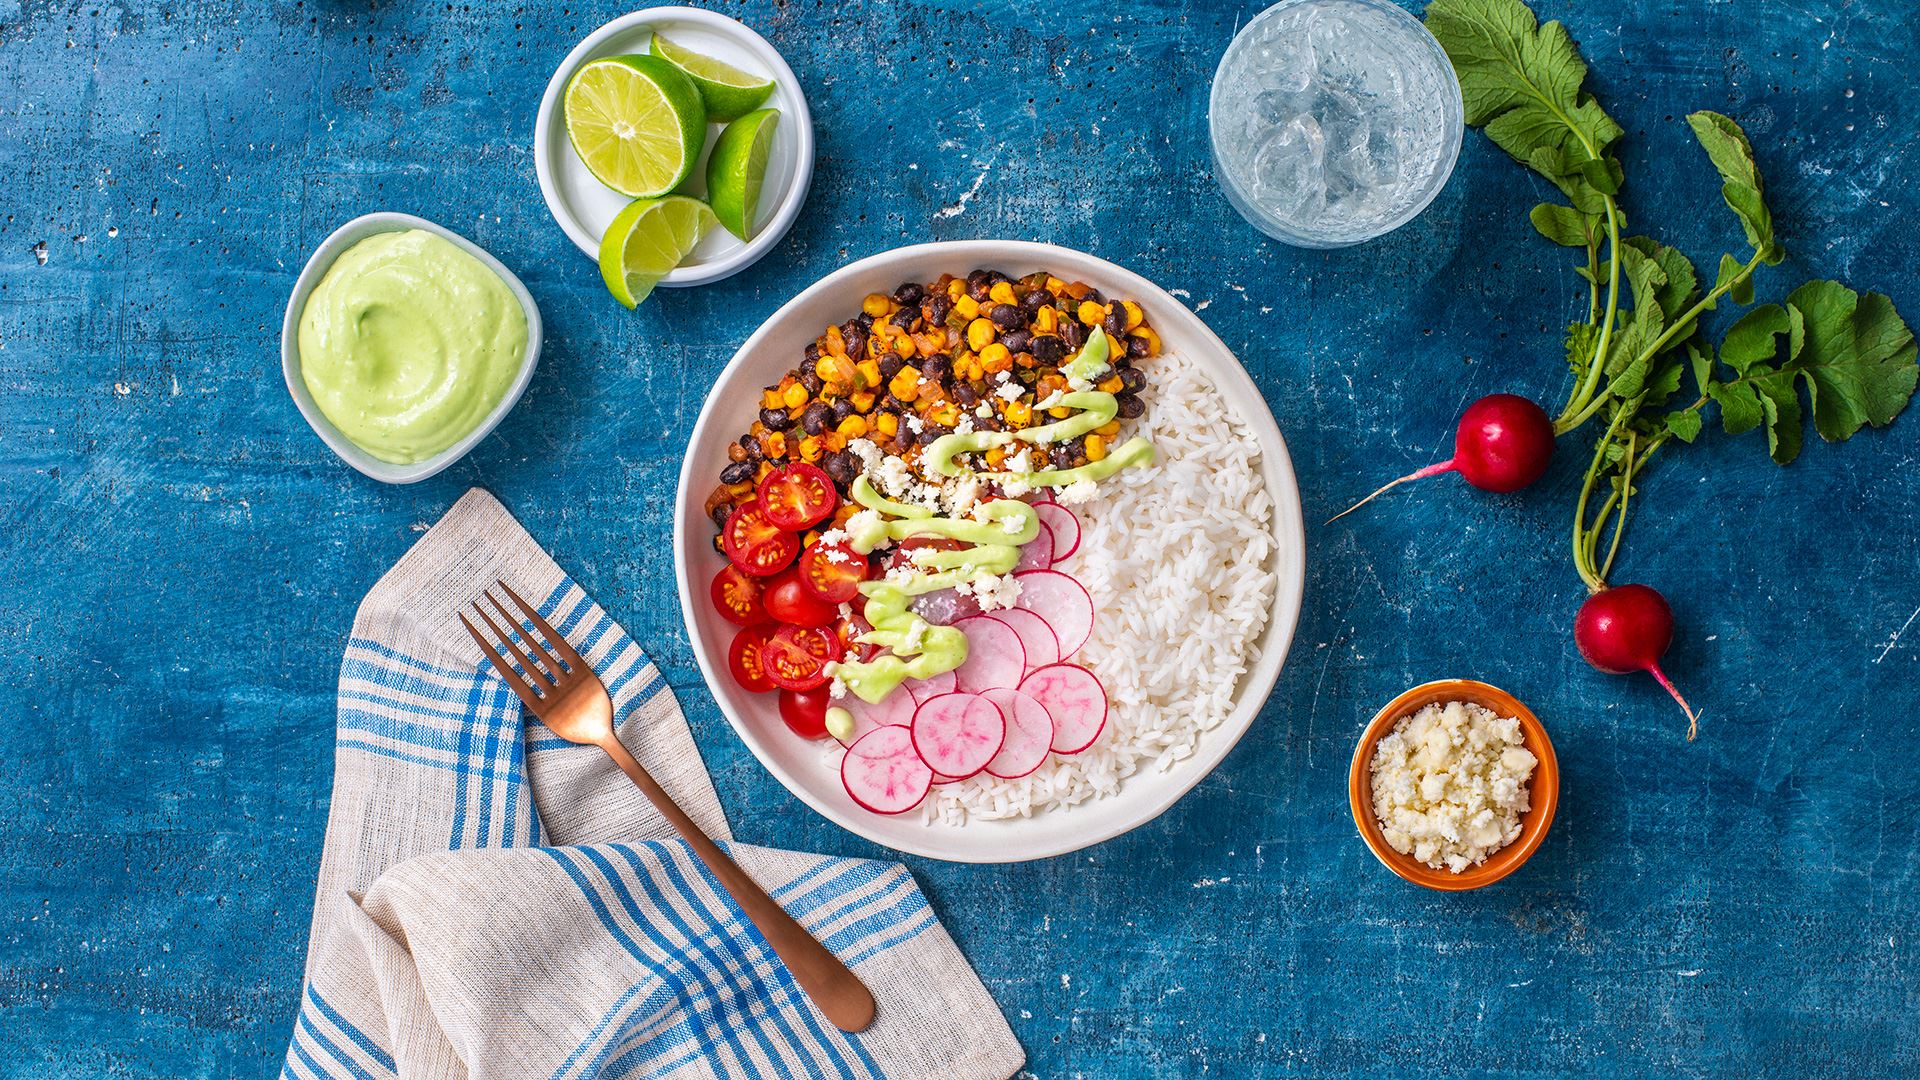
(1090, 312)
(869, 373)
(794, 396)
(906, 382)
(996, 457)
(1019, 413)
(1001, 293)
(1096, 448)
(966, 307)
(956, 289)
(837, 370)
(761, 473)
(774, 445)
(875, 305)
(995, 357)
(1047, 320)
(979, 333)
(1111, 384)
(975, 369)
(810, 448)
(772, 399)
(863, 401)
(1055, 285)
(887, 424)
(1108, 430)
(1134, 315)
(833, 342)
(833, 442)
(1059, 412)
(853, 426)
(1152, 339)
(903, 344)
(946, 415)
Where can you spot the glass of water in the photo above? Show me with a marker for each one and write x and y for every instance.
(1333, 121)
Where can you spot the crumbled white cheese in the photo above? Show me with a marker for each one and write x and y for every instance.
(995, 592)
(834, 554)
(864, 521)
(1081, 490)
(983, 410)
(1050, 400)
(1077, 383)
(964, 426)
(1450, 784)
(915, 424)
(834, 536)
(1021, 462)
(962, 494)
(869, 454)
(1010, 390)
(911, 640)
(892, 476)
(836, 689)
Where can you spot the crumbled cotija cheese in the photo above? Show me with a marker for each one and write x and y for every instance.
(1450, 784)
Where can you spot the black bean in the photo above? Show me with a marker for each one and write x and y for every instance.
(995, 277)
(938, 308)
(1006, 316)
(908, 293)
(1131, 407)
(936, 367)
(842, 408)
(863, 320)
(751, 444)
(978, 283)
(1137, 348)
(855, 336)
(720, 515)
(737, 473)
(890, 365)
(842, 467)
(1094, 295)
(1115, 324)
(813, 351)
(1017, 341)
(1063, 455)
(905, 318)
(815, 418)
(929, 433)
(1073, 333)
(775, 419)
(1132, 380)
(1031, 303)
(810, 381)
(965, 394)
(1048, 349)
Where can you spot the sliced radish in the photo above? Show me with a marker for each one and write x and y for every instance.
(1063, 602)
(1036, 637)
(942, 781)
(945, 607)
(895, 709)
(957, 734)
(1029, 734)
(1037, 553)
(1076, 701)
(920, 690)
(882, 772)
(995, 656)
(1063, 525)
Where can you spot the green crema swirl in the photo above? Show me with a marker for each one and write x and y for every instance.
(921, 650)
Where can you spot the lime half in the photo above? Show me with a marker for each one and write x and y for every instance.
(737, 167)
(638, 123)
(646, 240)
(728, 91)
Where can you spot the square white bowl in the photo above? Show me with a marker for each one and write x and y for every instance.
(317, 266)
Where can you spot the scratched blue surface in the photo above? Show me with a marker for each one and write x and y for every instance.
(183, 556)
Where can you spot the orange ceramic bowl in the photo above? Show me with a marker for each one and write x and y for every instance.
(1543, 787)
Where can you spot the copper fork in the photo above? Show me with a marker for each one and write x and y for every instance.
(560, 689)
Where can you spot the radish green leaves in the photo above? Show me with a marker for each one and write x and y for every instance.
(1849, 357)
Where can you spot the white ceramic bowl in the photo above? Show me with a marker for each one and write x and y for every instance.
(317, 266)
(731, 407)
(584, 206)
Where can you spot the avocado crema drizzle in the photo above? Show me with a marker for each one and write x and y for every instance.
(993, 536)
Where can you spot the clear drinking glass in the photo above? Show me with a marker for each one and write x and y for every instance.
(1333, 121)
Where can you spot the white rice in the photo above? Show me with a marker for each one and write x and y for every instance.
(1178, 557)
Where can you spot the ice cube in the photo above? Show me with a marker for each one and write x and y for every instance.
(1289, 170)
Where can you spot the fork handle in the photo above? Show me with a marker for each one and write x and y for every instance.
(836, 991)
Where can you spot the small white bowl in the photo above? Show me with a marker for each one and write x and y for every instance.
(733, 404)
(584, 206)
(323, 256)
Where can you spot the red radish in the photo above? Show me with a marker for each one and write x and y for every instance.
(1076, 701)
(895, 708)
(957, 734)
(1063, 602)
(1628, 628)
(1503, 444)
(882, 773)
(995, 656)
(1063, 525)
(1037, 639)
(1029, 734)
(920, 690)
(1035, 554)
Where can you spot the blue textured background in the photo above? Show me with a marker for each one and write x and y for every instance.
(183, 556)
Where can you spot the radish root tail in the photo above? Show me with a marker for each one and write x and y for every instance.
(1693, 720)
(1434, 469)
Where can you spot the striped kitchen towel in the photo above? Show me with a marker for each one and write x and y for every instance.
(495, 902)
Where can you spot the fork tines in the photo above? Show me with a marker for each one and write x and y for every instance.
(547, 667)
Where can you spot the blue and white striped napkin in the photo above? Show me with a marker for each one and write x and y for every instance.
(496, 902)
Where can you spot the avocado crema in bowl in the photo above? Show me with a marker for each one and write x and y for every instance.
(409, 347)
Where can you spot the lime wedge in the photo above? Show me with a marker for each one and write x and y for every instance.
(728, 91)
(737, 167)
(646, 240)
(638, 123)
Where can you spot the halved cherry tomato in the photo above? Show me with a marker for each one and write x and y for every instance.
(747, 658)
(755, 544)
(833, 572)
(848, 630)
(797, 656)
(797, 495)
(805, 711)
(736, 595)
(789, 601)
